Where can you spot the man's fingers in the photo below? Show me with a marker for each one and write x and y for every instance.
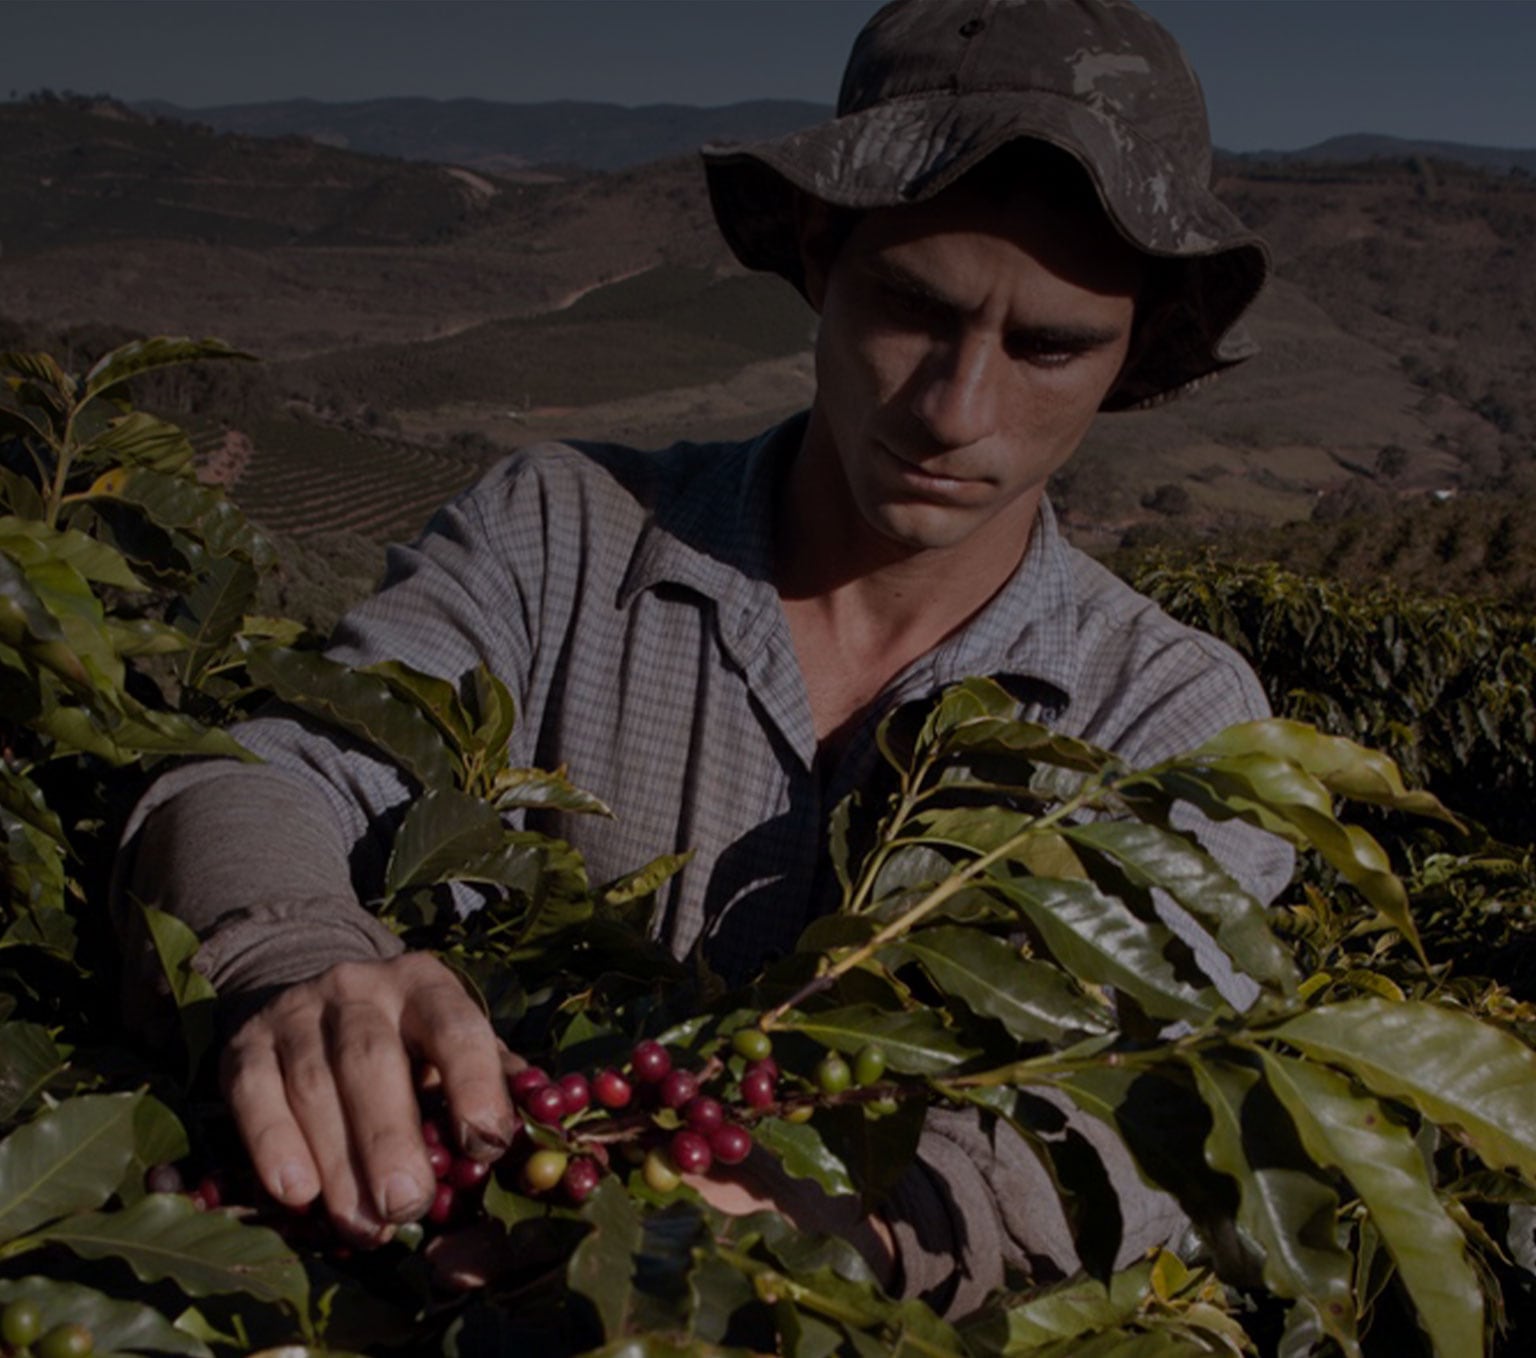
(252, 1079)
(310, 1086)
(377, 1099)
(442, 1025)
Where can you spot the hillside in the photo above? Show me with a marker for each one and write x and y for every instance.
(507, 138)
(461, 312)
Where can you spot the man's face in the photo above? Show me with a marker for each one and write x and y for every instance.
(965, 346)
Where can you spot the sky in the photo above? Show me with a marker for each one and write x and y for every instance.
(1278, 74)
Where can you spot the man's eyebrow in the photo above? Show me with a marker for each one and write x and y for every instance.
(893, 275)
(1051, 336)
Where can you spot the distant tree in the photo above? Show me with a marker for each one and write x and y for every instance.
(1392, 461)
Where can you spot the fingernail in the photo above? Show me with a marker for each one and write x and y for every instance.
(477, 1142)
(293, 1183)
(400, 1195)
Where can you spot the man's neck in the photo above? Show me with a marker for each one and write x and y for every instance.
(861, 607)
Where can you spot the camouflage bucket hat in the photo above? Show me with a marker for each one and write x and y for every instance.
(934, 87)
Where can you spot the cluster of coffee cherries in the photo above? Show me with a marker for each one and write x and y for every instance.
(21, 1328)
(647, 1112)
(698, 1134)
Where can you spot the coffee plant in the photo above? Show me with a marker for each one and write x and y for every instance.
(1355, 1149)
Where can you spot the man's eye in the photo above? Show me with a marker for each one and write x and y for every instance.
(1043, 351)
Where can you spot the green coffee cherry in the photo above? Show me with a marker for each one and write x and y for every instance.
(660, 1173)
(410, 1234)
(752, 1043)
(70, 1340)
(833, 1074)
(21, 1322)
(868, 1066)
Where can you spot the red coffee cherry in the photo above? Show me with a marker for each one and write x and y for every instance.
(703, 1113)
(441, 1160)
(731, 1143)
(211, 1190)
(757, 1089)
(578, 1093)
(690, 1152)
(544, 1170)
(650, 1061)
(467, 1173)
(581, 1177)
(164, 1179)
(432, 1133)
(612, 1090)
(767, 1066)
(526, 1081)
(546, 1104)
(679, 1087)
(440, 1213)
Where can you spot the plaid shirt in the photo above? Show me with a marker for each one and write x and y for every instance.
(628, 601)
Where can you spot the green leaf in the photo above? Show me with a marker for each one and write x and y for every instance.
(158, 1139)
(435, 698)
(1456, 1070)
(602, 1268)
(1354, 1135)
(538, 789)
(141, 356)
(139, 439)
(69, 1159)
(38, 367)
(495, 714)
(914, 1043)
(185, 506)
(1278, 796)
(209, 615)
(1153, 857)
(645, 881)
(440, 832)
(121, 738)
(1033, 1000)
(176, 946)
(633, 1269)
(23, 615)
(360, 703)
(799, 1147)
(30, 542)
(117, 1326)
(29, 1060)
(17, 493)
(143, 636)
(1078, 1306)
(163, 1236)
(1100, 940)
(1285, 1208)
(1343, 767)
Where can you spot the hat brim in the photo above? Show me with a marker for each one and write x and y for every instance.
(909, 150)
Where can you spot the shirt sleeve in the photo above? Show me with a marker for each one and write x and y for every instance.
(272, 864)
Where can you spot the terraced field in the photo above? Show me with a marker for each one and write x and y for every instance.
(305, 479)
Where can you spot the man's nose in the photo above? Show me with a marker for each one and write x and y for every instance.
(958, 391)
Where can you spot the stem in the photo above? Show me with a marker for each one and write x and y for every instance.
(950, 886)
(65, 461)
(771, 1286)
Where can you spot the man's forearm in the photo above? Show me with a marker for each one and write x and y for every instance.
(252, 861)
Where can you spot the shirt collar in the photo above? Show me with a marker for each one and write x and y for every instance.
(712, 532)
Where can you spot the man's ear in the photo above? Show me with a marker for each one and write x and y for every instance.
(819, 230)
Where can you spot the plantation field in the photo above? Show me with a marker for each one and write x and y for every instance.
(306, 479)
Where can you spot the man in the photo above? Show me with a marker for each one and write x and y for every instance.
(1006, 229)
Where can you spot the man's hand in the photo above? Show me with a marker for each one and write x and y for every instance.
(321, 1084)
